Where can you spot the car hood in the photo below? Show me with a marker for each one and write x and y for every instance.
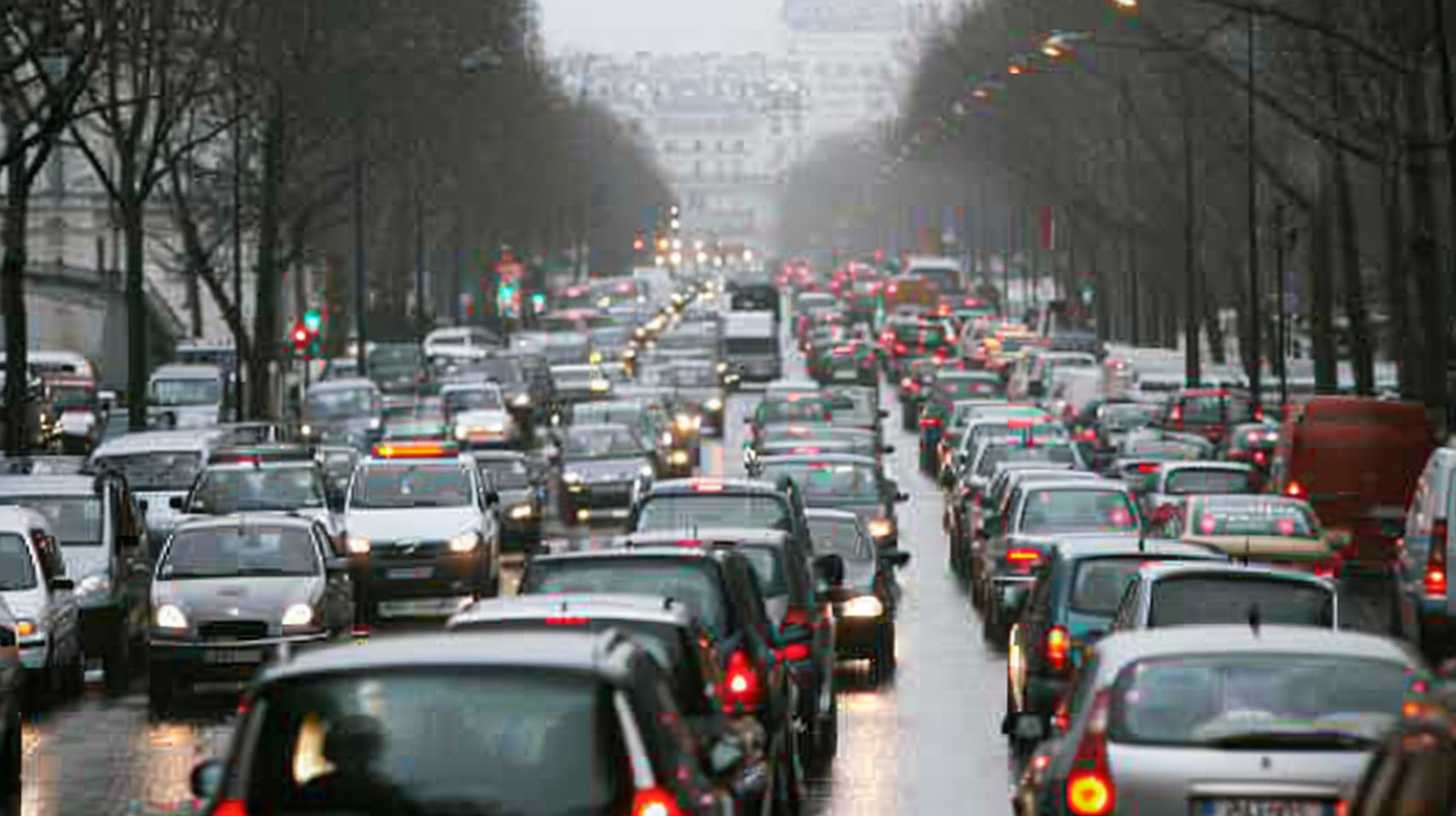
(625, 468)
(416, 522)
(254, 597)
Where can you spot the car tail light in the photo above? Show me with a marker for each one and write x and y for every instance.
(1057, 647)
(1148, 467)
(930, 422)
(567, 620)
(654, 802)
(1261, 458)
(794, 652)
(1294, 489)
(741, 688)
(901, 348)
(1087, 435)
(1023, 559)
(1435, 574)
(1090, 790)
(1330, 567)
(230, 807)
(708, 487)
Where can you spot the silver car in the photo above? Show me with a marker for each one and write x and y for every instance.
(1224, 720)
(1161, 595)
(34, 585)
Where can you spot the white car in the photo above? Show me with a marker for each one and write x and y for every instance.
(35, 588)
(478, 415)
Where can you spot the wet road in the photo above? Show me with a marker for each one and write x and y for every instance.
(927, 742)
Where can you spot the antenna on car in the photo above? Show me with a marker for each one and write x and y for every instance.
(1254, 619)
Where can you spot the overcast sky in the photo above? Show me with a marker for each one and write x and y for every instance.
(626, 26)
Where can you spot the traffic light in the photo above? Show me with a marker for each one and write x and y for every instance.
(639, 241)
(300, 337)
(313, 320)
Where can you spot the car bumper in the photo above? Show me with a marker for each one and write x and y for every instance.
(389, 579)
(225, 658)
(603, 496)
(856, 637)
(33, 653)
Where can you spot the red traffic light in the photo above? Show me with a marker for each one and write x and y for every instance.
(300, 336)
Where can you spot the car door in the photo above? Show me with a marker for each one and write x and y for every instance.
(338, 586)
(61, 617)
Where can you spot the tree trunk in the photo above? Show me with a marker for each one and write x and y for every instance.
(1362, 359)
(12, 295)
(1425, 261)
(134, 236)
(1321, 291)
(194, 302)
(265, 316)
(1405, 345)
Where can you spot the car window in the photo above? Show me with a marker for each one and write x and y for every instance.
(768, 565)
(598, 443)
(681, 511)
(74, 520)
(411, 485)
(1101, 583)
(509, 474)
(340, 402)
(830, 481)
(681, 579)
(842, 536)
(1258, 518)
(1198, 600)
(1071, 510)
(160, 470)
(189, 391)
(993, 455)
(1208, 480)
(17, 568)
(430, 741)
(223, 552)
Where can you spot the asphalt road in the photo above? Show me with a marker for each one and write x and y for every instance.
(927, 742)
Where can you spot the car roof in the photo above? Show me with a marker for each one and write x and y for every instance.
(730, 485)
(488, 455)
(77, 485)
(644, 608)
(1097, 483)
(199, 371)
(831, 458)
(343, 384)
(1077, 546)
(244, 520)
(600, 654)
(154, 441)
(828, 514)
(1121, 648)
(1159, 571)
(586, 550)
(705, 536)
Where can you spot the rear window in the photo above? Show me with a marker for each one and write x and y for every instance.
(768, 564)
(1258, 701)
(1058, 454)
(162, 470)
(682, 579)
(439, 741)
(1194, 600)
(682, 511)
(1186, 481)
(1202, 410)
(1256, 518)
(1100, 583)
(1072, 510)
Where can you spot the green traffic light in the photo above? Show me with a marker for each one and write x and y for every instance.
(313, 320)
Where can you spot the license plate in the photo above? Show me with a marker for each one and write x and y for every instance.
(1263, 807)
(846, 374)
(410, 573)
(230, 657)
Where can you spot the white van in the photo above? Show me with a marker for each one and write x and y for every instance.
(750, 341)
(186, 396)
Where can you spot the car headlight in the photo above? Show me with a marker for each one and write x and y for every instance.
(521, 400)
(464, 543)
(722, 368)
(881, 527)
(667, 437)
(645, 471)
(169, 616)
(687, 422)
(298, 614)
(94, 584)
(358, 545)
(305, 430)
(375, 423)
(462, 433)
(598, 386)
(571, 477)
(678, 457)
(522, 511)
(714, 404)
(864, 606)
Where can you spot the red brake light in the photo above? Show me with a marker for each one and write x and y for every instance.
(230, 807)
(1090, 790)
(796, 616)
(1087, 435)
(1435, 575)
(1022, 555)
(1057, 648)
(1176, 415)
(567, 620)
(794, 652)
(1295, 489)
(806, 451)
(654, 802)
(1148, 467)
(741, 689)
(901, 348)
(930, 422)
(707, 487)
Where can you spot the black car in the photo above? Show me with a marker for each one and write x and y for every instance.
(229, 593)
(251, 484)
(866, 594)
(843, 482)
(397, 368)
(104, 544)
(669, 632)
(722, 589)
(522, 496)
(342, 412)
(602, 469)
(478, 722)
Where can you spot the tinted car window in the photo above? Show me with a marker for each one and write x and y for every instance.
(339, 402)
(681, 579)
(418, 485)
(74, 520)
(155, 471)
(1255, 519)
(472, 399)
(768, 565)
(185, 392)
(509, 474)
(683, 511)
(1193, 600)
(236, 490)
(830, 480)
(1054, 511)
(219, 552)
(17, 570)
(503, 741)
(596, 443)
(1060, 454)
(1100, 584)
(1186, 480)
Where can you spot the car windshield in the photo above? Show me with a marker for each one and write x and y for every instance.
(1212, 599)
(456, 740)
(509, 474)
(801, 410)
(606, 413)
(842, 536)
(186, 391)
(737, 346)
(503, 370)
(334, 403)
(1125, 416)
(472, 399)
(1185, 481)
(682, 579)
(73, 396)
(1100, 583)
(17, 569)
(1255, 518)
(682, 511)
(74, 520)
(159, 470)
(689, 376)
(1074, 510)
(381, 486)
(221, 491)
(597, 442)
(829, 482)
(997, 454)
(225, 552)
(388, 361)
(1254, 701)
(1202, 410)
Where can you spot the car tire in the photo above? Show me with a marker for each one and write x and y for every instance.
(827, 745)
(907, 419)
(995, 631)
(116, 662)
(788, 786)
(161, 689)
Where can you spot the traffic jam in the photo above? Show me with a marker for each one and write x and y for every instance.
(732, 546)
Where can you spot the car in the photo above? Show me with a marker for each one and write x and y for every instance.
(602, 468)
(158, 466)
(416, 420)
(1268, 529)
(80, 417)
(791, 410)
(103, 544)
(697, 392)
(228, 593)
(1174, 482)
(1027, 422)
(1411, 767)
(579, 383)
(919, 374)
(41, 596)
(522, 495)
(1113, 421)
(560, 722)
(1079, 583)
(645, 411)
(964, 504)
(460, 342)
(478, 415)
(1251, 443)
(1208, 412)
(867, 596)
(397, 368)
(678, 504)
(185, 396)
(972, 423)
(423, 531)
(346, 411)
(722, 589)
(338, 462)
(1184, 719)
(843, 482)
(1032, 514)
(252, 483)
(1422, 554)
(1164, 595)
(808, 440)
(855, 406)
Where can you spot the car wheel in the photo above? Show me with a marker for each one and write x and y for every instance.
(827, 742)
(995, 631)
(116, 662)
(11, 759)
(788, 787)
(161, 689)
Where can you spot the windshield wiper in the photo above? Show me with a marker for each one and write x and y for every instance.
(1343, 740)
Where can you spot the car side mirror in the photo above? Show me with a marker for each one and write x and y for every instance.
(830, 568)
(336, 564)
(142, 505)
(1027, 727)
(206, 779)
(7, 637)
(492, 498)
(895, 558)
(887, 449)
(62, 584)
(902, 497)
(129, 541)
(176, 502)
